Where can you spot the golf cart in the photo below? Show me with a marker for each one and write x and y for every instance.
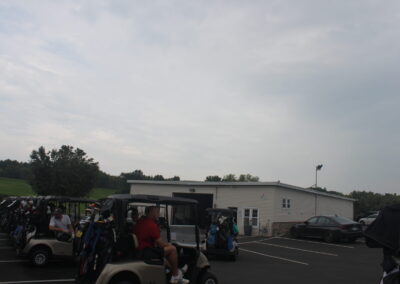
(8, 209)
(24, 220)
(110, 253)
(40, 243)
(222, 232)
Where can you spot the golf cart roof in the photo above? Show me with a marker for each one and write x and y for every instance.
(67, 199)
(158, 199)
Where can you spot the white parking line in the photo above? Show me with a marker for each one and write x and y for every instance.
(38, 281)
(251, 242)
(272, 256)
(293, 248)
(326, 244)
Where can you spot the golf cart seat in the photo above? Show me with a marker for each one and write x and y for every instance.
(135, 241)
(127, 247)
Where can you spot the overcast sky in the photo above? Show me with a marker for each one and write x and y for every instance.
(197, 88)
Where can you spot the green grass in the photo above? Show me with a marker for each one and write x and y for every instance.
(19, 187)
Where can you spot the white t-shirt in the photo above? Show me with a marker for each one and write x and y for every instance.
(60, 223)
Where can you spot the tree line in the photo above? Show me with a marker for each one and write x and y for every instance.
(69, 171)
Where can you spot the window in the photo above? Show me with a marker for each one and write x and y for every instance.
(286, 203)
(313, 220)
(342, 220)
(323, 221)
(250, 217)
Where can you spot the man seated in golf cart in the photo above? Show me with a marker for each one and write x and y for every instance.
(61, 224)
(150, 242)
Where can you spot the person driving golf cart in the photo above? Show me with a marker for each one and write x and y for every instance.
(150, 242)
(111, 252)
(61, 224)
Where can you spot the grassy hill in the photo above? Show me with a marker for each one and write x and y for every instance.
(19, 187)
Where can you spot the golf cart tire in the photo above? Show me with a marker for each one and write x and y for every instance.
(235, 255)
(40, 256)
(125, 278)
(208, 278)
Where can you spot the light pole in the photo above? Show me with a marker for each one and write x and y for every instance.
(317, 168)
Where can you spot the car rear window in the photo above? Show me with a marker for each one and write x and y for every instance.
(342, 220)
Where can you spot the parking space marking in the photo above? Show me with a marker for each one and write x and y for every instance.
(38, 281)
(271, 256)
(326, 244)
(299, 249)
(252, 242)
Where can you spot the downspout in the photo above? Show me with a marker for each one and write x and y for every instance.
(216, 197)
(315, 205)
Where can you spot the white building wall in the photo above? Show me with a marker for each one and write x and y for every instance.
(267, 199)
(331, 206)
(261, 198)
(241, 197)
(305, 205)
(168, 190)
(302, 205)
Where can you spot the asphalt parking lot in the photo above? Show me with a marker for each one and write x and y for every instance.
(261, 260)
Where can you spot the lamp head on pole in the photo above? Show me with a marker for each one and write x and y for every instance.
(319, 167)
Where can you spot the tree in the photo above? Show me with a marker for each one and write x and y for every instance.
(139, 175)
(371, 201)
(248, 178)
(213, 178)
(158, 177)
(14, 169)
(66, 172)
(175, 178)
(229, 177)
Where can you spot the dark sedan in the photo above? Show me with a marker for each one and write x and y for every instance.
(328, 228)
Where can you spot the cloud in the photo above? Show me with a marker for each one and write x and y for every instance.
(198, 88)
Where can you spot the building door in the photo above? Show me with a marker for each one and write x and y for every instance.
(235, 210)
(205, 201)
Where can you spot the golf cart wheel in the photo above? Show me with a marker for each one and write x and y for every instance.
(362, 223)
(40, 256)
(208, 278)
(234, 256)
(124, 278)
(329, 237)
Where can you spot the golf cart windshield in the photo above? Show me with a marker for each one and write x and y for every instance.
(178, 216)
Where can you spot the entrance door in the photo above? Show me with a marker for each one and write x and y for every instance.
(235, 210)
(205, 201)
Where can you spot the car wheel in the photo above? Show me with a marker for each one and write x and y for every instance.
(329, 237)
(208, 278)
(40, 256)
(352, 240)
(295, 234)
